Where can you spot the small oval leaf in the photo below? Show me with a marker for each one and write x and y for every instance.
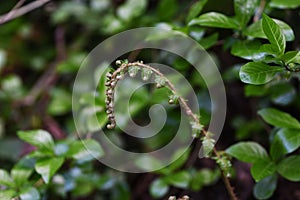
(257, 73)
(250, 152)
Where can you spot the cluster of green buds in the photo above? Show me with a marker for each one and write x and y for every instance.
(208, 144)
(146, 74)
(196, 129)
(160, 81)
(173, 99)
(224, 162)
(133, 70)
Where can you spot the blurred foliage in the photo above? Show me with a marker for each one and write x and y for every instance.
(41, 156)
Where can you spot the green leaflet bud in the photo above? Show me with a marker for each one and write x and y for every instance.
(160, 81)
(173, 99)
(196, 129)
(208, 145)
(133, 70)
(146, 74)
(224, 164)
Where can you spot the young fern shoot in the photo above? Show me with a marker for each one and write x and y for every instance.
(161, 80)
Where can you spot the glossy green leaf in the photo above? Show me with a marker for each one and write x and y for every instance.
(284, 4)
(244, 9)
(195, 10)
(30, 193)
(289, 168)
(7, 194)
(47, 167)
(5, 179)
(213, 19)
(248, 152)
(262, 169)
(265, 188)
(274, 33)
(270, 49)
(39, 138)
(285, 141)
(158, 188)
(257, 73)
(279, 118)
(291, 57)
(255, 30)
(248, 49)
(85, 150)
(180, 179)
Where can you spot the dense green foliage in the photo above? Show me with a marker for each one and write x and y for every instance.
(256, 45)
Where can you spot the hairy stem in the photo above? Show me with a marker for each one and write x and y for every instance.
(111, 84)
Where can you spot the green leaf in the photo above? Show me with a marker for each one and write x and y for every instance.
(244, 9)
(167, 9)
(248, 49)
(213, 19)
(282, 93)
(7, 194)
(274, 33)
(265, 188)
(5, 179)
(21, 175)
(195, 10)
(255, 30)
(179, 157)
(61, 102)
(158, 188)
(250, 152)
(204, 177)
(209, 41)
(85, 150)
(180, 179)
(39, 138)
(291, 57)
(148, 163)
(131, 9)
(285, 141)
(257, 73)
(262, 169)
(255, 90)
(279, 118)
(47, 167)
(270, 49)
(30, 193)
(284, 4)
(289, 168)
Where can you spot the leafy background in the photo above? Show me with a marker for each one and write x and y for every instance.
(256, 46)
